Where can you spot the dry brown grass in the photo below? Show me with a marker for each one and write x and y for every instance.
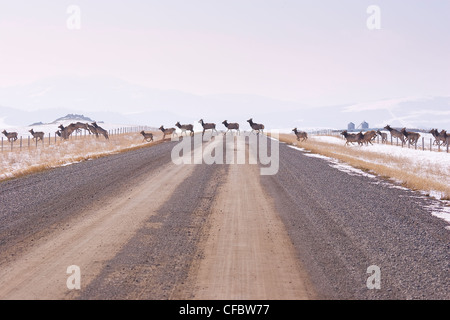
(20, 162)
(389, 167)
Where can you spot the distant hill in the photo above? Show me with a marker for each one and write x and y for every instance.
(74, 117)
(37, 124)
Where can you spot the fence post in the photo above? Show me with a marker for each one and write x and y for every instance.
(20, 143)
(423, 144)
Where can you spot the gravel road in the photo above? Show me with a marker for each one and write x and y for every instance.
(141, 227)
(37, 204)
(343, 223)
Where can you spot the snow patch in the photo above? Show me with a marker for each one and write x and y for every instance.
(343, 167)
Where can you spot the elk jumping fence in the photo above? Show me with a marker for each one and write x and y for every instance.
(52, 139)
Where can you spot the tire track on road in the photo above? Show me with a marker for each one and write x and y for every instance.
(90, 237)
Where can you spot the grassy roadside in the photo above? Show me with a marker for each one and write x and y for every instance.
(18, 163)
(390, 167)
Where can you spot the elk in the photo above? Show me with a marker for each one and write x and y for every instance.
(37, 135)
(368, 137)
(383, 136)
(207, 126)
(10, 135)
(447, 139)
(148, 136)
(100, 130)
(300, 135)
(185, 127)
(67, 131)
(256, 126)
(92, 129)
(64, 132)
(440, 137)
(395, 133)
(231, 126)
(79, 125)
(352, 137)
(412, 137)
(169, 131)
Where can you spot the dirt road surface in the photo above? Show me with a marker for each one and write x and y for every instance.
(141, 227)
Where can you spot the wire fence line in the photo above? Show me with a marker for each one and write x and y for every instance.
(49, 139)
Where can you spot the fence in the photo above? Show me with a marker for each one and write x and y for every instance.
(49, 139)
(424, 143)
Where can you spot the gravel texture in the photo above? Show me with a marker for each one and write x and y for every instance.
(35, 205)
(341, 224)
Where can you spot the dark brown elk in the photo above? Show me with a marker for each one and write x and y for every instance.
(395, 133)
(37, 135)
(169, 131)
(78, 126)
(207, 126)
(148, 136)
(185, 127)
(447, 139)
(412, 137)
(352, 137)
(100, 130)
(440, 137)
(258, 127)
(231, 126)
(92, 129)
(300, 135)
(368, 137)
(10, 135)
(64, 132)
(67, 131)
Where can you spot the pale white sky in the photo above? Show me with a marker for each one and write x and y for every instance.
(312, 52)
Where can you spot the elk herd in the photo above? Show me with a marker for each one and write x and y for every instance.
(441, 138)
(257, 128)
(404, 136)
(64, 132)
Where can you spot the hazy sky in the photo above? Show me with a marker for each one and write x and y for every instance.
(312, 52)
